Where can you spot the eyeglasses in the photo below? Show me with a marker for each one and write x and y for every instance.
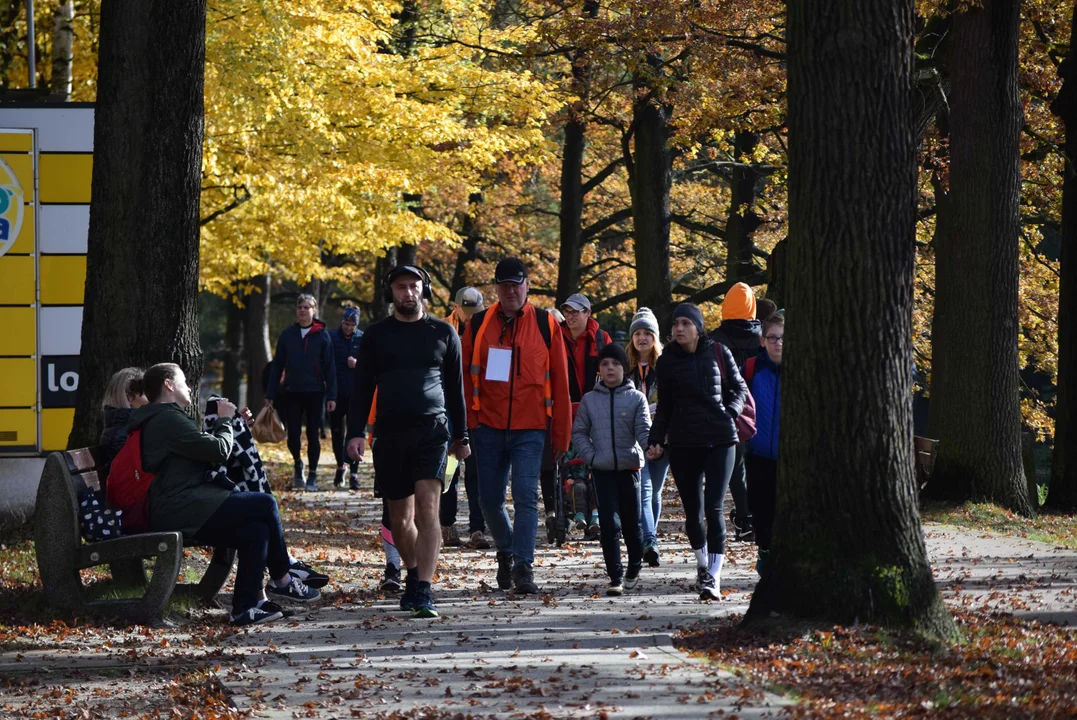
(570, 312)
(775, 339)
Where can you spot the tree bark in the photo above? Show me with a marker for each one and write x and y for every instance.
(378, 308)
(975, 410)
(63, 36)
(148, 129)
(231, 375)
(470, 248)
(742, 221)
(777, 273)
(848, 545)
(1062, 490)
(651, 174)
(256, 339)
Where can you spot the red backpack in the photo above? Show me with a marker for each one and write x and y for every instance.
(128, 485)
(745, 422)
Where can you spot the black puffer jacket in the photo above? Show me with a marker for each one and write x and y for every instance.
(742, 337)
(114, 435)
(692, 409)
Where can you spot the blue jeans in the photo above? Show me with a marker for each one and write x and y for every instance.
(497, 450)
(652, 479)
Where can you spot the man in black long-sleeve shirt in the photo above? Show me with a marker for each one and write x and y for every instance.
(413, 360)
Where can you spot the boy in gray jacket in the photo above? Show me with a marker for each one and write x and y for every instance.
(610, 432)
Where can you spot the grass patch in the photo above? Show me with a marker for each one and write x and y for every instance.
(1048, 527)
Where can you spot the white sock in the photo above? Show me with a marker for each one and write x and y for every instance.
(714, 567)
(701, 556)
(291, 559)
(392, 555)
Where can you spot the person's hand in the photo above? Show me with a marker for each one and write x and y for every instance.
(269, 402)
(351, 362)
(357, 448)
(226, 409)
(331, 405)
(654, 452)
(247, 415)
(557, 455)
(462, 452)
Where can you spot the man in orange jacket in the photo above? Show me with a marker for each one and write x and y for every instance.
(517, 382)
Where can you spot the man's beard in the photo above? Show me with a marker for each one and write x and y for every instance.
(409, 309)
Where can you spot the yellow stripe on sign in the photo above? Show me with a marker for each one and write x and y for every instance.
(63, 279)
(19, 427)
(18, 382)
(16, 141)
(17, 286)
(56, 424)
(19, 336)
(64, 177)
(24, 244)
(22, 164)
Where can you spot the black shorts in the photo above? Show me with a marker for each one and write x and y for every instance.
(406, 454)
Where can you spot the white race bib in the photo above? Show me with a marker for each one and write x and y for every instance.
(499, 364)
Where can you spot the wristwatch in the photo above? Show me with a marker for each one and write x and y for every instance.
(465, 442)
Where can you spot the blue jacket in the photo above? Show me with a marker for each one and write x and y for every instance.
(306, 362)
(766, 390)
(343, 348)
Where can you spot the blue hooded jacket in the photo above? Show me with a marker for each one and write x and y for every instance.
(766, 391)
(343, 348)
(305, 362)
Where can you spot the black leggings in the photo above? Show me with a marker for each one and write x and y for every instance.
(337, 421)
(312, 405)
(762, 497)
(704, 519)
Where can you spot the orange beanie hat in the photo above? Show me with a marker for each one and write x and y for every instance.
(739, 303)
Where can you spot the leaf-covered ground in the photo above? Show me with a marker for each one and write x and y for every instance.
(1049, 527)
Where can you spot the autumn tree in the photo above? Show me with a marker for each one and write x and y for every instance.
(848, 545)
(142, 263)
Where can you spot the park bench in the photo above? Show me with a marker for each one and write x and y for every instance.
(61, 552)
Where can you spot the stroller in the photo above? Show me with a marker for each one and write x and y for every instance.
(570, 493)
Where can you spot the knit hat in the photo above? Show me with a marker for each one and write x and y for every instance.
(764, 308)
(615, 352)
(644, 319)
(692, 312)
(351, 314)
(739, 303)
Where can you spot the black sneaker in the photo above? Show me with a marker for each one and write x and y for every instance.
(523, 580)
(296, 591)
(410, 596)
(504, 569)
(594, 531)
(353, 484)
(390, 582)
(271, 607)
(338, 479)
(309, 576)
(312, 480)
(424, 604)
(254, 616)
(615, 588)
(298, 481)
(708, 586)
(650, 556)
(632, 576)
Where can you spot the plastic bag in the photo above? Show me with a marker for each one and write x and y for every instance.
(267, 426)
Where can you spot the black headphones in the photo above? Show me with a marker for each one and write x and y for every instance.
(387, 290)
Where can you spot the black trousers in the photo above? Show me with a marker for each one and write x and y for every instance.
(338, 420)
(704, 517)
(762, 497)
(450, 499)
(738, 488)
(312, 405)
(618, 512)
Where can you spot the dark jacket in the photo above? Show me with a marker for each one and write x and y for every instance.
(306, 362)
(343, 348)
(742, 337)
(114, 435)
(583, 357)
(766, 391)
(694, 409)
(181, 456)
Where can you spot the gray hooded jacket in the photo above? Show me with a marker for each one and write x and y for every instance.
(611, 427)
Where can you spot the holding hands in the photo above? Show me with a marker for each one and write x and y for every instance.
(654, 452)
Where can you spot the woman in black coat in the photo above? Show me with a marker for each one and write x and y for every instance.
(695, 422)
(123, 394)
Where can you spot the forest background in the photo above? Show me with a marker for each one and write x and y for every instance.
(632, 151)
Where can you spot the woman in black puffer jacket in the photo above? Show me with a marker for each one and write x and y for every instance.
(123, 394)
(695, 420)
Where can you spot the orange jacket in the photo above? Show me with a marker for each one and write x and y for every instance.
(520, 403)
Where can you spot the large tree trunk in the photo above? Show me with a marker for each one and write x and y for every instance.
(848, 544)
(1062, 492)
(231, 375)
(378, 308)
(63, 36)
(469, 250)
(144, 211)
(975, 410)
(651, 175)
(256, 339)
(743, 220)
(778, 273)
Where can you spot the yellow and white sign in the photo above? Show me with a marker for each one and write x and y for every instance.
(46, 161)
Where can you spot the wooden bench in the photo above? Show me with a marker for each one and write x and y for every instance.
(61, 552)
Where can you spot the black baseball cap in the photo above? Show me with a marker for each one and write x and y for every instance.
(403, 270)
(511, 270)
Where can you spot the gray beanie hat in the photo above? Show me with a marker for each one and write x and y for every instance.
(644, 319)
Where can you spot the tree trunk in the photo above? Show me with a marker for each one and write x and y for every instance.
(975, 410)
(848, 544)
(1062, 490)
(256, 339)
(742, 221)
(777, 273)
(231, 375)
(470, 247)
(63, 36)
(379, 309)
(651, 175)
(144, 212)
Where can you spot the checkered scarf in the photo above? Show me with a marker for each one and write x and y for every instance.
(244, 468)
